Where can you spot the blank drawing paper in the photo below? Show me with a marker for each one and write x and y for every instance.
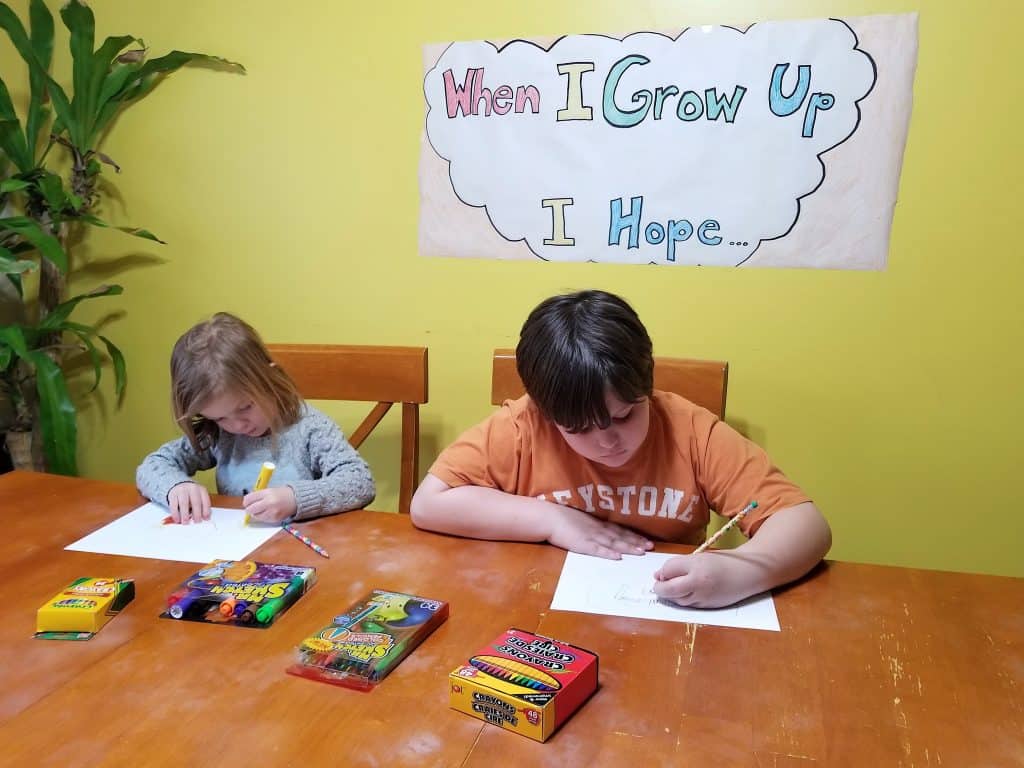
(142, 533)
(623, 588)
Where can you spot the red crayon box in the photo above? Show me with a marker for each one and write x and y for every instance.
(525, 683)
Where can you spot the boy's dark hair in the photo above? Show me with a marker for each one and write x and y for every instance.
(574, 348)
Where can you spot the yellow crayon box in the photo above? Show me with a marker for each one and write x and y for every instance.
(83, 607)
(525, 683)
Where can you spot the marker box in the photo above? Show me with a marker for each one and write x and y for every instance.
(241, 593)
(525, 683)
(81, 609)
(365, 643)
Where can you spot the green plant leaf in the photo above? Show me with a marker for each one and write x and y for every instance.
(14, 337)
(109, 100)
(101, 69)
(6, 356)
(41, 32)
(12, 138)
(120, 368)
(79, 20)
(83, 332)
(12, 185)
(44, 242)
(56, 319)
(116, 80)
(41, 39)
(52, 188)
(140, 80)
(65, 120)
(15, 280)
(135, 231)
(12, 266)
(56, 415)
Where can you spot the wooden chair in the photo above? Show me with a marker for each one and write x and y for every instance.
(703, 382)
(385, 375)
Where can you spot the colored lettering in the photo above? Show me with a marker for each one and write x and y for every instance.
(673, 232)
(691, 105)
(472, 98)
(783, 105)
(574, 108)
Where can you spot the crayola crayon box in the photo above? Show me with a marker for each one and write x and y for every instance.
(525, 683)
(81, 609)
(239, 592)
(366, 642)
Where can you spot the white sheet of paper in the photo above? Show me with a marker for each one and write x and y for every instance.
(623, 588)
(142, 533)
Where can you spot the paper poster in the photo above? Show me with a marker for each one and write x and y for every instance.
(775, 144)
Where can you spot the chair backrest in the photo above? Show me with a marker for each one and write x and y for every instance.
(385, 375)
(703, 382)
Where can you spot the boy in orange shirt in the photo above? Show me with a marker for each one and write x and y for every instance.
(595, 460)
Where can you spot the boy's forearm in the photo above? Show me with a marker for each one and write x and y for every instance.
(786, 546)
(482, 513)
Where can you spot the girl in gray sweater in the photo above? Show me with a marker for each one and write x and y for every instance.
(238, 409)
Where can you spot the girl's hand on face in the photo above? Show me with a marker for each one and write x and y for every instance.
(189, 502)
(580, 532)
(271, 505)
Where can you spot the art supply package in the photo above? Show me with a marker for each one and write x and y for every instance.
(365, 643)
(240, 592)
(525, 683)
(81, 609)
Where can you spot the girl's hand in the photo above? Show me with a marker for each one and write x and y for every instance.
(580, 532)
(189, 502)
(271, 505)
(707, 580)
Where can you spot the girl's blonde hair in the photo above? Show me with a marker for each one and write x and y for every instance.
(225, 354)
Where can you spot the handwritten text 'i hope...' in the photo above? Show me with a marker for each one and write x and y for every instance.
(681, 150)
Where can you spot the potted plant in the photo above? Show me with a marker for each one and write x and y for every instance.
(40, 208)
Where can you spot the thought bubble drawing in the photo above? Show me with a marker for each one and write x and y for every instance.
(649, 149)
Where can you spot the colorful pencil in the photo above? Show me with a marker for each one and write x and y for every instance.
(305, 540)
(721, 531)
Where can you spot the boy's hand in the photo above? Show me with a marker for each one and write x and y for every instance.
(579, 532)
(707, 580)
(189, 502)
(271, 505)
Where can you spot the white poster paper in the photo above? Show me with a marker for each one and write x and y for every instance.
(777, 144)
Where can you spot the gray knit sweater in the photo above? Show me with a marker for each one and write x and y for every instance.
(312, 456)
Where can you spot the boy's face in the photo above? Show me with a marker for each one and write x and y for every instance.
(617, 444)
(237, 414)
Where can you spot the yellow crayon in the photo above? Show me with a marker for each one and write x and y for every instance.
(261, 482)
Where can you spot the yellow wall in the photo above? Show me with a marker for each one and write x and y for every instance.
(290, 196)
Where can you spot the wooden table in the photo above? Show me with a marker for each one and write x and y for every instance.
(874, 666)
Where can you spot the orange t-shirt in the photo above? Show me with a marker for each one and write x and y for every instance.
(689, 462)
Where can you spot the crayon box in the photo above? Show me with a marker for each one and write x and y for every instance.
(79, 610)
(525, 683)
(366, 642)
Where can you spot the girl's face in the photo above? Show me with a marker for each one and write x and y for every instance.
(237, 414)
(617, 444)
